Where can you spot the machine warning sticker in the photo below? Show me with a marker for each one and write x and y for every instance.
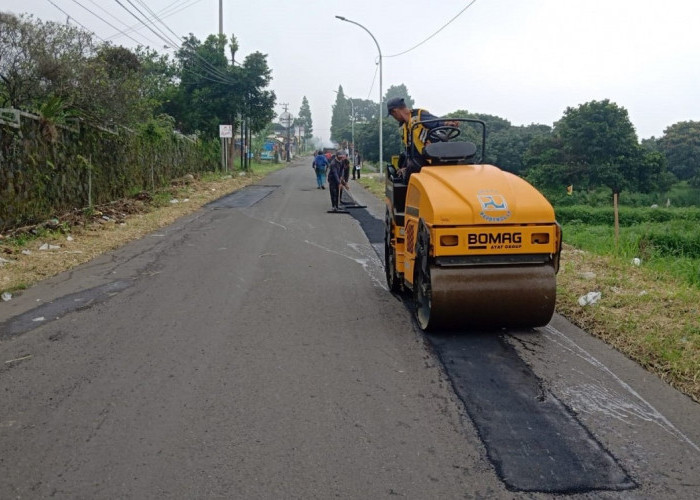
(494, 207)
(495, 241)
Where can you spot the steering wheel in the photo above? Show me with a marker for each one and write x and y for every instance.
(443, 133)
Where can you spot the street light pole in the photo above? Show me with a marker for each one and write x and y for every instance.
(381, 108)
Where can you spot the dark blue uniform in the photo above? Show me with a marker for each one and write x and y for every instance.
(335, 178)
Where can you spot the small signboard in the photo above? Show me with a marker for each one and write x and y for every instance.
(226, 131)
(286, 119)
(9, 116)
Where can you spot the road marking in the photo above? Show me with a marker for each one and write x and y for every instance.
(599, 401)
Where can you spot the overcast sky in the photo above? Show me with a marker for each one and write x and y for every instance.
(523, 60)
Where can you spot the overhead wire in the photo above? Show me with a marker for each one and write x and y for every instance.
(438, 31)
(212, 73)
(120, 31)
(155, 30)
(374, 78)
(155, 16)
(103, 20)
(167, 11)
(78, 22)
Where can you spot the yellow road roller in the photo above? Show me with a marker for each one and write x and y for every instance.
(474, 245)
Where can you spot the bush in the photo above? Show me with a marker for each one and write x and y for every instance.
(629, 216)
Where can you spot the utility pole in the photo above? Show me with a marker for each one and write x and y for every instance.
(221, 17)
(287, 117)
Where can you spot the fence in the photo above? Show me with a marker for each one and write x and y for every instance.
(47, 169)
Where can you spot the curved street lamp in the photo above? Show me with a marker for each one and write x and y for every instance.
(381, 146)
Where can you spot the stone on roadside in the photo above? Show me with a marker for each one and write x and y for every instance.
(6, 296)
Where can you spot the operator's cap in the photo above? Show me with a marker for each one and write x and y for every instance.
(393, 103)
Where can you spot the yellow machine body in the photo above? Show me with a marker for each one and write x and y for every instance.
(478, 246)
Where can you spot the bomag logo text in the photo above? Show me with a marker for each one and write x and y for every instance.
(495, 241)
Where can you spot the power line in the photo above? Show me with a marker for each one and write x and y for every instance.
(104, 21)
(167, 11)
(438, 31)
(70, 17)
(160, 34)
(374, 78)
(121, 31)
(155, 16)
(214, 74)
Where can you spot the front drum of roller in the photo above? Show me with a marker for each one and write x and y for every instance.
(517, 296)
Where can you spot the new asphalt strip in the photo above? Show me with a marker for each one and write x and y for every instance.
(535, 443)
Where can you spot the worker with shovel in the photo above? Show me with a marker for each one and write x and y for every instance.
(336, 180)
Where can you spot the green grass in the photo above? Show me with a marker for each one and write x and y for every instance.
(22, 239)
(672, 248)
(373, 182)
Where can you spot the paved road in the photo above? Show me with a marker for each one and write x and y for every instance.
(251, 350)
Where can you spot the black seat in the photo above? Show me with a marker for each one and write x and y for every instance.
(450, 152)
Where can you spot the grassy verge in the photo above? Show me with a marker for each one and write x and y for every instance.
(650, 312)
(374, 183)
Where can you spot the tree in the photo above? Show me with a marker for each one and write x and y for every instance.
(506, 148)
(600, 140)
(365, 110)
(212, 91)
(304, 119)
(681, 146)
(340, 119)
(595, 145)
(258, 103)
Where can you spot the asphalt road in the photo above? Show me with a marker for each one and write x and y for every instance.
(251, 350)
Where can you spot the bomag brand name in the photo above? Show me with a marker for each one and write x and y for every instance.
(494, 238)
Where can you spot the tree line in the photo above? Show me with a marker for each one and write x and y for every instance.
(593, 145)
(92, 122)
(60, 72)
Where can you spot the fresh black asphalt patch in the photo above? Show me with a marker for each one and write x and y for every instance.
(372, 227)
(535, 443)
(50, 311)
(243, 198)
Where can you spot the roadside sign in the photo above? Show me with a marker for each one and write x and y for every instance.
(225, 131)
(286, 119)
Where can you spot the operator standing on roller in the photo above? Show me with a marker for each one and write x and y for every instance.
(415, 142)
